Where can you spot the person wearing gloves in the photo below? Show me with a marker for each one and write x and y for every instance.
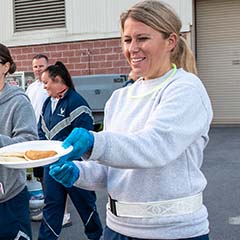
(62, 111)
(149, 155)
(18, 124)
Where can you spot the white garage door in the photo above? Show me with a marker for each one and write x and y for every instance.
(218, 56)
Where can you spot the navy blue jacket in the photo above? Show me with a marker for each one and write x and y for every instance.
(71, 111)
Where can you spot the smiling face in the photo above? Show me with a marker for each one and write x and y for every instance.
(39, 65)
(56, 88)
(145, 49)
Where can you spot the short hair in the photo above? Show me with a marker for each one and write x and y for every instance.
(40, 55)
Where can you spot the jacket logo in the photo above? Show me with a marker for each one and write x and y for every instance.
(62, 111)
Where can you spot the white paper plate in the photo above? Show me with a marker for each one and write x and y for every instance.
(34, 145)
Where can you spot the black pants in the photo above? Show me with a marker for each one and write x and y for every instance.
(112, 235)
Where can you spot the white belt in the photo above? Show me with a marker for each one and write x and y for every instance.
(165, 208)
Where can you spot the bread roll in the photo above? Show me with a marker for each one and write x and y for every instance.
(12, 154)
(36, 154)
(12, 159)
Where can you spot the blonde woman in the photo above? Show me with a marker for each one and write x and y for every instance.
(150, 152)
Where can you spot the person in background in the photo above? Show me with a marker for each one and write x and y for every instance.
(132, 77)
(35, 90)
(18, 124)
(150, 153)
(64, 110)
(37, 95)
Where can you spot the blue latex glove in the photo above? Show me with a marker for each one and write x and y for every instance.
(65, 172)
(82, 141)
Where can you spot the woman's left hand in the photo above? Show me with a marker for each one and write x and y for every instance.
(64, 172)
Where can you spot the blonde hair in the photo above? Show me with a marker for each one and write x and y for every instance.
(163, 19)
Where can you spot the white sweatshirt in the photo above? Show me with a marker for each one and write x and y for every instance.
(151, 149)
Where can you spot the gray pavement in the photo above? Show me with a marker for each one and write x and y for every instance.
(222, 169)
(222, 195)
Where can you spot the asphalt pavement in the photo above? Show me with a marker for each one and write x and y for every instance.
(222, 170)
(222, 195)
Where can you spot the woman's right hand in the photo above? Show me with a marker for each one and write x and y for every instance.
(82, 141)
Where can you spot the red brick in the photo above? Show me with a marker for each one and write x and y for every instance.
(50, 48)
(27, 50)
(95, 65)
(125, 70)
(70, 66)
(99, 58)
(73, 59)
(80, 66)
(55, 55)
(15, 51)
(117, 49)
(85, 58)
(106, 65)
(106, 50)
(69, 54)
(119, 63)
(99, 44)
(86, 45)
(104, 56)
(114, 43)
(74, 46)
(74, 73)
(96, 51)
(86, 72)
(62, 47)
(111, 57)
(38, 49)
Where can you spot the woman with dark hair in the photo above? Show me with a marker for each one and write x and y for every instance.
(62, 111)
(18, 124)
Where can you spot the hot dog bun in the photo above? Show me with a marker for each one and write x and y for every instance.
(37, 154)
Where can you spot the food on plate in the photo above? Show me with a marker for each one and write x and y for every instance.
(37, 154)
(12, 159)
(28, 155)
(13, 154)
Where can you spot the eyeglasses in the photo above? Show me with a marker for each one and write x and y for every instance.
(2, 62)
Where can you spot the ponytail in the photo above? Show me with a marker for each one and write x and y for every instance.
(59, 69)
(183, 56)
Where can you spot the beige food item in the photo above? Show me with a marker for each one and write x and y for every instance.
(12, 159)
(25, 156)
(37, 154)
(12, 154)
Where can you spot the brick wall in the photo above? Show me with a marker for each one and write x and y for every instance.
(81, 58)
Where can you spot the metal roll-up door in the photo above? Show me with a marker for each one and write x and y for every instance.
(218, 56)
